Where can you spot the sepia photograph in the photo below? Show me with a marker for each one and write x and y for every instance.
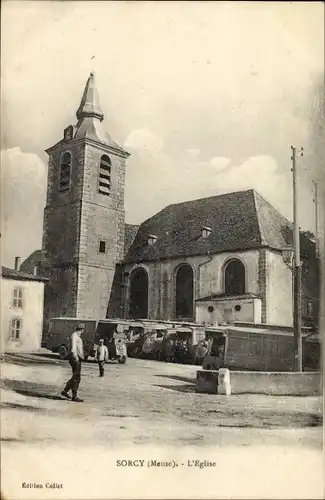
(162, 250)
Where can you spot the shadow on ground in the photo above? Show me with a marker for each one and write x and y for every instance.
(35, 359)
(41, 358)
(225, 415)
(18, 406)
(178, 388)
(49, 356)
(12, 440)
(190, 380)
(31, 389)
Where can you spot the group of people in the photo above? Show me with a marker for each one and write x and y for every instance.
(176, 350)
(75, 357)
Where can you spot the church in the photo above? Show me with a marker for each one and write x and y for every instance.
(216, 259)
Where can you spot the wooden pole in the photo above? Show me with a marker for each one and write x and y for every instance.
(297, 365)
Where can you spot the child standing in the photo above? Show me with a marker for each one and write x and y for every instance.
(101, 356)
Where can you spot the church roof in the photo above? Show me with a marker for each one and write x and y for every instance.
(129, 235)
(37, 258)
(236, 221)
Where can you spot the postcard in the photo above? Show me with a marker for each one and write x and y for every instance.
(162, 220)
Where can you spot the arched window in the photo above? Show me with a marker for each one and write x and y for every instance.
(104, 185)
(65, 172)
(138, 300)
(235, 277)
(184, 292)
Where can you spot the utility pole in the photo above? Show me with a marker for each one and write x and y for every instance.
(296, 268)
(315, 200)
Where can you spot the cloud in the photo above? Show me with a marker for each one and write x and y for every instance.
(194, 152)
(144, 140)
(164, 180)
(23, 187)
(218, 163)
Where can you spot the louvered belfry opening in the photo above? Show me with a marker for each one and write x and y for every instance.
(65, 172)
(105, 175)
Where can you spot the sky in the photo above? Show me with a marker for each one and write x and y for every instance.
(207, 97)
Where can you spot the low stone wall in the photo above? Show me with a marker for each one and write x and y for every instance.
(277, 383)
(272, 383)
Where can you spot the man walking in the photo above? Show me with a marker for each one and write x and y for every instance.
(76, 354)
(101, 356)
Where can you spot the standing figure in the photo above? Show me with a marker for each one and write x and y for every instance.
(76, 354)
(170, 351)
(101, 356)
(200, 352)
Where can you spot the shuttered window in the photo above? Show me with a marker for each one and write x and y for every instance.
(104, 184)
(65, 172)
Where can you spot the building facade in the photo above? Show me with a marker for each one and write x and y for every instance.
(216, 259)
(22, 298)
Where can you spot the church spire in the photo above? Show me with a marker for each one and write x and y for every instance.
(89, 106)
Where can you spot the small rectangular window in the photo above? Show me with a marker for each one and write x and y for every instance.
(18, 297)
(15, 329)
(102, 246)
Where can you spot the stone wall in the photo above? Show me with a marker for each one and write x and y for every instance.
(213, 311)
(212, 276)
(278, 384)
(267, 277)
(102, 219)
(208, 278)
(75, 222)
(61, 231)
(270, 383)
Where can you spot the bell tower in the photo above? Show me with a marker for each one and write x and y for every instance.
(83, 231)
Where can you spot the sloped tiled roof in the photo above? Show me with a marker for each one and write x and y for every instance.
(222, 296)
(276, 230)
(129, 235)
(93, 129)
(36, 258)
(19, 275)
(240, 220)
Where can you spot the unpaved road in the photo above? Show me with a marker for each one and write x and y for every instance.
(147, 404)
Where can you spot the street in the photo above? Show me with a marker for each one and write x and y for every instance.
(148, 405)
